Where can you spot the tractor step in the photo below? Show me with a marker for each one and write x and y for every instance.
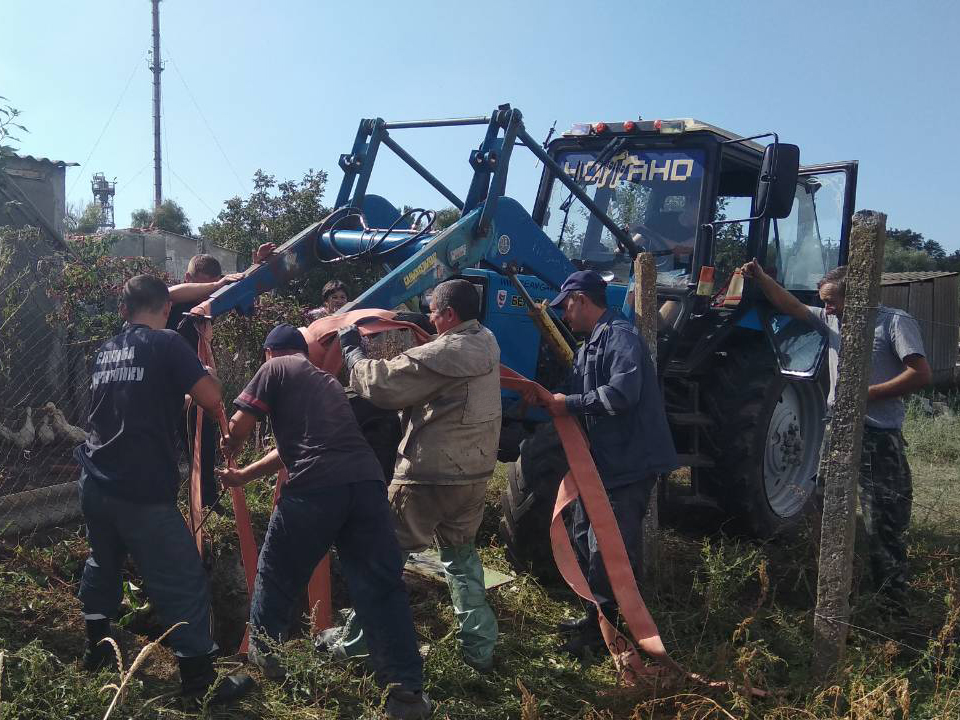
(679, 501)
(700, 461)
(690, 418)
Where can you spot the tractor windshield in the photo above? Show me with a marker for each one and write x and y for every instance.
(654, 193)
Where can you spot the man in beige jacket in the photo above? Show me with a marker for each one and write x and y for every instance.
(449, 391)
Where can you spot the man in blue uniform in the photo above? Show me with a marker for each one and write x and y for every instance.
(615, 394)
(129, 482)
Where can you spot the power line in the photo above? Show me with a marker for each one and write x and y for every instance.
(203, 117)
(184, 183)
(134, 176)
(105, 126)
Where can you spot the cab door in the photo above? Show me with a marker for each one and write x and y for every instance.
(801, 249)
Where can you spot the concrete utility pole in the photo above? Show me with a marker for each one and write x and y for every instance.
(841, 465)
(157, 67)
(645, 317)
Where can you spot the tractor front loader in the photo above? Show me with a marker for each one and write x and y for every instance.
(743, 386)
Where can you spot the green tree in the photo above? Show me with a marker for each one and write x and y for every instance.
(275, 212)
(908, 250)
(169, 216)
(897, 258)
(445, 218)
(85, 221)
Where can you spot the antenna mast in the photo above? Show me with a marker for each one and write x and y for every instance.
(157, 67)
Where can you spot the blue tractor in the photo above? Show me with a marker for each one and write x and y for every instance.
(743, 386)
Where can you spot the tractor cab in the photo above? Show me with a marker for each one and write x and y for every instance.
(686, 191)
(647, 182)
(704, 201)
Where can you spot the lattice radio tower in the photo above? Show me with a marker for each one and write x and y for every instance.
(103, 192)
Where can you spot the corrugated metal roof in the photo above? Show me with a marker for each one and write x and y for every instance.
(58, 163)
(898, 278)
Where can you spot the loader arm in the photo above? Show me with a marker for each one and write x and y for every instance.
(513, 243)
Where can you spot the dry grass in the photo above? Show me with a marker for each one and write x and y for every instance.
(728, 608)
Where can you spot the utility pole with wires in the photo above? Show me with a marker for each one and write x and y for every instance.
(156, 66)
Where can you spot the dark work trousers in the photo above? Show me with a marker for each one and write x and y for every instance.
(162, 548)
(210, 438)
(357, 519)
(629, 503)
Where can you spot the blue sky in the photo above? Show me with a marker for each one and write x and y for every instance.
(281, 86)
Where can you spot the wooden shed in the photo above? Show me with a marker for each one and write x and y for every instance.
(930, 297)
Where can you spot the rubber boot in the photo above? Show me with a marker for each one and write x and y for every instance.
(477, 633)
(587, 638)
(575, 627)
(346, 641)
(408, 705)
(197, 676)
(98, 655)
(266, 661)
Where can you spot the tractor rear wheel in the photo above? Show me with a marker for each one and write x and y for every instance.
(527, 502)
(768, 431)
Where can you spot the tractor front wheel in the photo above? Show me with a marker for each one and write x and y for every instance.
(767, 440)
(527, 502)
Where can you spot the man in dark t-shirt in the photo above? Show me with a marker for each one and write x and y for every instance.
(336, 494)
(129, 482)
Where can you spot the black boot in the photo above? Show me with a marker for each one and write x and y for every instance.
(407, 705)
(197, 675)
(585, 637)
(577, 625)
(98, 655)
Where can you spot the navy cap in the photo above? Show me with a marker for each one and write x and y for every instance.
(285, 337)
(583, 280)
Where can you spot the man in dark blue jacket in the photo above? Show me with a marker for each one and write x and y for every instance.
(615, 392)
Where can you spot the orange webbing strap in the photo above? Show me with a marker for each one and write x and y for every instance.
(248, 545)
(194, 496)
(584, 482)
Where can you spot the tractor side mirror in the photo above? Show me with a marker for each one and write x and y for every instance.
(777, 185)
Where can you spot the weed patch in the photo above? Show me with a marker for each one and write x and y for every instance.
(726, 607)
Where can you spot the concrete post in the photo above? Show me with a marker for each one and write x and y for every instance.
(841, 466)
(646, 314)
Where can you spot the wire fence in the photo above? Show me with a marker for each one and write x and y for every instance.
(55, 312)
(43, 399)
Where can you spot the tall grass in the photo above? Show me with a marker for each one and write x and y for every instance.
(728, 608)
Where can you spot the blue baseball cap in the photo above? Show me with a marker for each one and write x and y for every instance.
(285, 337)
(582, 280)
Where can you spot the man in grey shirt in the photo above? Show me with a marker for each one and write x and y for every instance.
(898, 368)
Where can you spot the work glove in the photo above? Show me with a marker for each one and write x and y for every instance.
(350, 346)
